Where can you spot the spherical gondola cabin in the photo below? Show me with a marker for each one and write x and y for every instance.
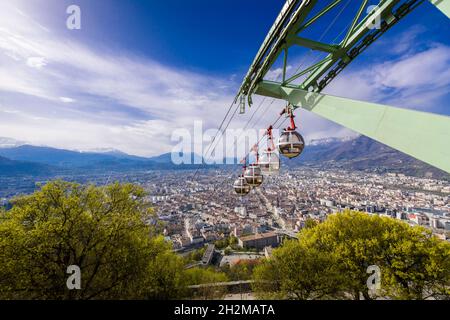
(253, 175)
(241, 186)
(291, 143)
(269, 162)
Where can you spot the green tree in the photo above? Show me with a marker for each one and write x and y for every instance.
(166, 277)
(232, 240)
(353, 241)
(417, 266)
(331, 260)
(243, 269)
(296, 272)
(310, 223)
(109, 232)
(223, 243)
(195, 255)
(206, 277)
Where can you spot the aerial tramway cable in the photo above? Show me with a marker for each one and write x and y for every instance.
(290, 135)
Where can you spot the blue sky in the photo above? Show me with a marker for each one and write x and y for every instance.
(139, 69)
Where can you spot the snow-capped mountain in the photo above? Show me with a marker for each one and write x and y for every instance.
(325, 141)
(101, 150)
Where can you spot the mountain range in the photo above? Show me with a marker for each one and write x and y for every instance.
(363, 153)
(12, 167)
(16, 158)
(357, 153)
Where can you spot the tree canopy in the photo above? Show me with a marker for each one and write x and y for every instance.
(109, 232)
(330, 260)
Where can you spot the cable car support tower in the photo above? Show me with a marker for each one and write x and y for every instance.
(425, 136)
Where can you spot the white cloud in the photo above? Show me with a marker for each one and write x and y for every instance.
(60, 92)
(404, 43)
(427, 68)
(82, 97)
(275, 74)
(67, 100)
(36, 62)
(415, 80)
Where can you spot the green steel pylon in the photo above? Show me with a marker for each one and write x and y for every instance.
(443, 5)
(425, 136)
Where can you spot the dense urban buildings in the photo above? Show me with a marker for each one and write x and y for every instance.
(203, 210)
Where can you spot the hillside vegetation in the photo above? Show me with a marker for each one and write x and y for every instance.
(330, 261)
(113, 236)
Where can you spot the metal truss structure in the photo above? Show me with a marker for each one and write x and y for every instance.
(424, 136)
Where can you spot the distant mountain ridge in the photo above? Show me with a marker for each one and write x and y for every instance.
(11, 167)
(325, 141)
(52, 156)
(363, 153)
(28, 159)
(359, 153)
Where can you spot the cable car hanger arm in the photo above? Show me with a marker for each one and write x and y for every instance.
(422, 135)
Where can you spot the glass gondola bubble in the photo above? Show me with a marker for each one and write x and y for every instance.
(269, 162)
(253, 175)
(291, 143)
(241, 186)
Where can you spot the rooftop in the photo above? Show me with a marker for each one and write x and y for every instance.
(258, 236)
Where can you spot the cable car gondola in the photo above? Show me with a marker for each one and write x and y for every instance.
(253, 174)
(269, 161)
(241, 186)
(291, 143)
